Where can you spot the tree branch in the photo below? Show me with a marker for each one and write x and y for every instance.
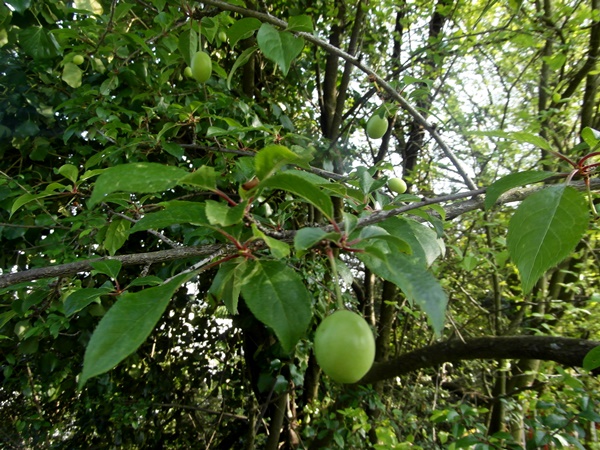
(565, 351)
(452, 211)
(128, 260)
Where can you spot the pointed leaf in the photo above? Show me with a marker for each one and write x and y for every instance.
(591, 136)
(224, 215)
(227, 284)
(280, 47)
(426, 246)
(188, 45)
(300, 23)
(126, 326)
(116, 235)
(518, 136)
(143, 177)
(239, 62)
(499, 187)
(78, 300)
(543, 231)
(242, 29)
(296, 184)
(110, 267)
(38, 43)
(175, 212)
(277, 297)
(279, 249)
(417, 283)
(26, 198)
(308, 237)
(204, 177)
(271, 158)
(69, 171)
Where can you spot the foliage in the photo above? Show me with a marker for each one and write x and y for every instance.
(169, 246)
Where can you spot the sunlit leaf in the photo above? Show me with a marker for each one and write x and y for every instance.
(135, 177)
(544, 230)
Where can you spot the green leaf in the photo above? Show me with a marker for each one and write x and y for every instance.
(296, 184)
(425, 244)
(227, 284)
(279, 249)
(142, 177)
(281, 47)
(242, 29)
(139, 42)
(175, 212)
(591, 360)
(499, 187)
(544, 230)
(26, 198)
(116, 235)
(78, 300)
(277, 297)
(110, 267)
(271, 158)
(173, 149)
(300, 23)
(72, 75)
(221, 214)
(308, 237)
(38, 43)
(149, 280)
(518, 136)
(413, 278)
(69, 171)
(373, 232)
(239, 62)
(126, 326)
(204, 177)
(591, 136)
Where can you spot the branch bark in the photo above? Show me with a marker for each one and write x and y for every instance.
(565, 351)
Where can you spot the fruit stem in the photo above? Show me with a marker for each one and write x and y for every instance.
(338, 291)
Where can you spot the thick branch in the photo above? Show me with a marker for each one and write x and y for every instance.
(565, 351)
(127, 260)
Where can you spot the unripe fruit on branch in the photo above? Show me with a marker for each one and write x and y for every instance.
(344, 346)
(188, 72)
(376, 126)
(201, 67)
(78, 59)
(397, 185)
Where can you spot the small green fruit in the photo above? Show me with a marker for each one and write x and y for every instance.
(78, 59)
(377, 126)
(222, 36)
(201, 67)
(397, 185)
(344, 346)
(188, 72)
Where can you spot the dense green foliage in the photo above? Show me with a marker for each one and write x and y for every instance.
(170, 246)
